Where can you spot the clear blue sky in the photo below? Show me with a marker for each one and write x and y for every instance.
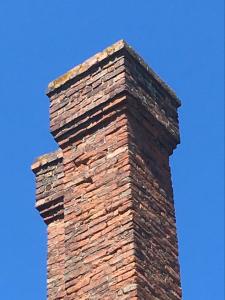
(183, 42)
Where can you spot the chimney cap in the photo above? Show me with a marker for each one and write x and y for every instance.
(101, 56)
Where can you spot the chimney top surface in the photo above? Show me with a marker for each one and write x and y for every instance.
(99, 57)
(46, 159)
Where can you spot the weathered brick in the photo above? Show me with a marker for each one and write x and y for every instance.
(107, 195)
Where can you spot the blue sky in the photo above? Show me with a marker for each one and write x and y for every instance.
(183, 42)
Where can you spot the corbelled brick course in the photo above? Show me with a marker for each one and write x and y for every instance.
(106, 194)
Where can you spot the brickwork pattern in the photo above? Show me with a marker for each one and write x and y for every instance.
(106, 195)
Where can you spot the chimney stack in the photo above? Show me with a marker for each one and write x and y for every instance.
(106, 195)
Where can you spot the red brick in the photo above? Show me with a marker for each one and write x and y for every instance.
(106, 195)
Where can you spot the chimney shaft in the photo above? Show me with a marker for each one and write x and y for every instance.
(106, 194)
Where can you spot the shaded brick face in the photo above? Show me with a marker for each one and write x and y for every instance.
(106, 195)
(154, 220)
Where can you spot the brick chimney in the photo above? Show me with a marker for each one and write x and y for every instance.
(106, 194)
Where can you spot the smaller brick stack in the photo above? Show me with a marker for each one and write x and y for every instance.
(49, 202)
(107, 195)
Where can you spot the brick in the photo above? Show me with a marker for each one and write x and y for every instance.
(106, 194)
